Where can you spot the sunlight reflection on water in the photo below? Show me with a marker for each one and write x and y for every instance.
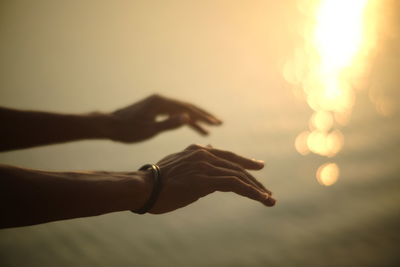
(327, 174)
(338, 41)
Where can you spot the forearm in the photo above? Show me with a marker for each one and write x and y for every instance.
(31, 196)
(22, 129)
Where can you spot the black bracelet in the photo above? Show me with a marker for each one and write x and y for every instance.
(156, 188)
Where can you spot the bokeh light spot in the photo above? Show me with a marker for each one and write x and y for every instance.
(301, 143)
(328, 174)
(322, 121)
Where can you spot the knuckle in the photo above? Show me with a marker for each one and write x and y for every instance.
(155, 97)
(194, 147)
(201, 154)
(190, 147)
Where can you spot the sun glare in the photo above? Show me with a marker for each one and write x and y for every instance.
(337, 39)
(335, 52)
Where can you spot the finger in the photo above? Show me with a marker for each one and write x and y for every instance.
(234, 184)
(251, 164)
(195, 126)
(212, 170)
(196, 115)
(208, 113)
(193, 111)
(204, 156)
(247, 163)
(201, 113)
(172, 122)
(220, 162)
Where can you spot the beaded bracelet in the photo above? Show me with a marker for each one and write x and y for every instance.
(156, 188)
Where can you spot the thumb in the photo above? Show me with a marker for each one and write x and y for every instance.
(172, 122)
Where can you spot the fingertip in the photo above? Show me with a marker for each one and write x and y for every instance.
(255, 164)
(260, 162)
(205, 133)
(202, 132)
(258, 167)
(270, 202)
(217, 121)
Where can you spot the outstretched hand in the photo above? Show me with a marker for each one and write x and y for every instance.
(185, 177)
(198, 171)
(138, 122)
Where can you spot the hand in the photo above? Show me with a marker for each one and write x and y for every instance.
(198, 171)
(138, 121)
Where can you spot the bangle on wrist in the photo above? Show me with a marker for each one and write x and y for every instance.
(156, 188)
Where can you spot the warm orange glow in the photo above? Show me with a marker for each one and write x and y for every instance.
(334, 143)
(328, 174)
(338, 40)
(301, 143)
(321, 143)
(316, 142)
(322, 121)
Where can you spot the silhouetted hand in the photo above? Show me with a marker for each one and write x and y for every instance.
(198, 171)
(138, 121)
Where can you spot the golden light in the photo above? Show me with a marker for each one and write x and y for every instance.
(321, 121)
(301, 143)
(339, 36)
(321, 143)
(337, 40)
(334, 143)
(328, 174)
(316, 142)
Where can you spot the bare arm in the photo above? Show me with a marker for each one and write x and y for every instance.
(31, 196)
(137, 122)
(23, 129)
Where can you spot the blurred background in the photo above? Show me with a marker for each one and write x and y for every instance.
(309, 86)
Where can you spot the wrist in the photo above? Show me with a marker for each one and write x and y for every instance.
(101, 125)
(111, 192)
(142, 191)
(155, 190)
